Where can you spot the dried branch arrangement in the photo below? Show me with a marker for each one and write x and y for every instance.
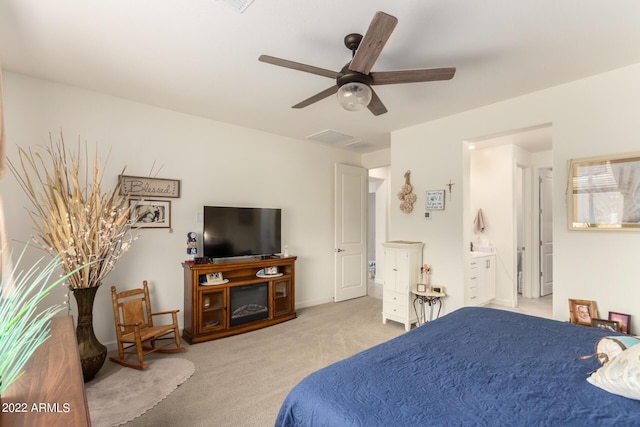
(72, 216)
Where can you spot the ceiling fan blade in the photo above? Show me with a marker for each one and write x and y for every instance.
(376, 106)
(317, 97)
(298, 66)
(411, 76)
(380, 29)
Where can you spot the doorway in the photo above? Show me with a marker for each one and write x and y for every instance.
(378, 225)
(503, 182)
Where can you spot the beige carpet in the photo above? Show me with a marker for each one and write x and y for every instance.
(242, 380)
(120, 394)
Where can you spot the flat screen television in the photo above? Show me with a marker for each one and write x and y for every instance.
(237, 231)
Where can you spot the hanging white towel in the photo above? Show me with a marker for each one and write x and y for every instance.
(478, 222)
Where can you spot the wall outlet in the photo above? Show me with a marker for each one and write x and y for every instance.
(427, 215)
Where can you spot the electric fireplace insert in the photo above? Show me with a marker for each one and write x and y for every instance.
(249, 303)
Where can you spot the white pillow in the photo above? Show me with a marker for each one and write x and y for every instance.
(609, 347)
(621, 375)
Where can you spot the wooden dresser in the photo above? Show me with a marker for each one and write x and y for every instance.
(51, 391)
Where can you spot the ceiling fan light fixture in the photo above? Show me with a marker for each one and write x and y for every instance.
(354, 96)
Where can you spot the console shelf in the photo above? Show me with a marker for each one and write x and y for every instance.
(207, 308)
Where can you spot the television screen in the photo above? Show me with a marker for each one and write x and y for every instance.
(235, 231)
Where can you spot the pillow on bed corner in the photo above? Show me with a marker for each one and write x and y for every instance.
(621, 375)
(609, 347)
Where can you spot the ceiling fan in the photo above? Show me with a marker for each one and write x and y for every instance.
(354, 81)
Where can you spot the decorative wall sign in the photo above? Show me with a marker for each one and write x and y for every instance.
(434, 199)
(139, 186)
(150, 213)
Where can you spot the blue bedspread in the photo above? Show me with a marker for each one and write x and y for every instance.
(474, 367)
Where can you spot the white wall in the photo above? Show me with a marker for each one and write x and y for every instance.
(593, 116)
(376, 159)
(218, 164)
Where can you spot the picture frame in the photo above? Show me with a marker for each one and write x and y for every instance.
(624, 319)
(601, 193)
(582, 311)
(434, 200)
(607, 325)
(271, 270)
(139, 186)
(422, 287)
(150, 213)
(214, 277)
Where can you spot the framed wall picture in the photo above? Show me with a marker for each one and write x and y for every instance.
(139, 186)
(624, 319)
(582, 311)
(150, 213)
(434, 199)
(604, 193)
(607, 325)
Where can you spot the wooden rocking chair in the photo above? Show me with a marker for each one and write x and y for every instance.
(135, 329)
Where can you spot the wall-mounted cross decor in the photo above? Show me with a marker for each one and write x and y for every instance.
(450, 185)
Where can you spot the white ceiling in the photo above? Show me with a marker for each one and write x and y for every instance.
(201, 57)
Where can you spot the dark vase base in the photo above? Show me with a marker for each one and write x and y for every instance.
(92, 365)
(92, 352)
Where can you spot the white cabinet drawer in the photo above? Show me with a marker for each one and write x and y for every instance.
(473, 294)
(394, 297)
(392, 309)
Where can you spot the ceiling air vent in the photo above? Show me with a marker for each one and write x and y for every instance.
(237, 5)
(358, 145)
(329, 136)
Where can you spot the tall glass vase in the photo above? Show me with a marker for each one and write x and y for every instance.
(92, 352)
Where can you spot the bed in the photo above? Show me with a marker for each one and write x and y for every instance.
(475, 366)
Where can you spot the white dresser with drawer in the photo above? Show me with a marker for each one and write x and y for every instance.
(402, 262)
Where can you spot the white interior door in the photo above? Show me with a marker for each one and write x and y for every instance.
(546, 232)
(350, 232)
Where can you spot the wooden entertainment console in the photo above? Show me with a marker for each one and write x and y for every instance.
(207, 306)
